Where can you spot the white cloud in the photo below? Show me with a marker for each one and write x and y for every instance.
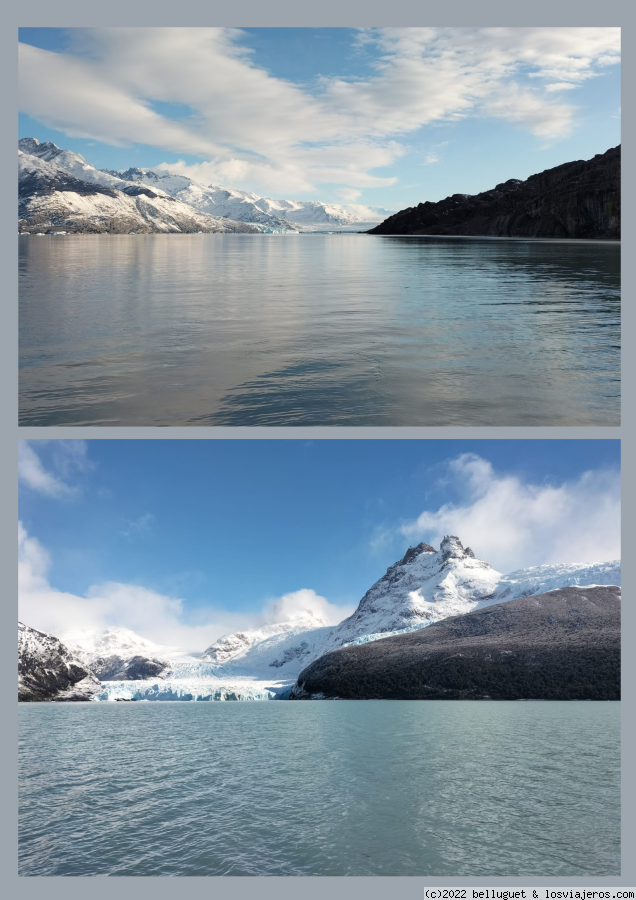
(156, 617)
(560, 86)
(515, 104)
(266, 133)
(348, 194)
(296, 605)
(512, 524)
(67, 459)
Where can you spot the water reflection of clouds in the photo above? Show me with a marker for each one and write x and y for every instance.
(318, 329)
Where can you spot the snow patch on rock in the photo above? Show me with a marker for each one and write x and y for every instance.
(48, 670)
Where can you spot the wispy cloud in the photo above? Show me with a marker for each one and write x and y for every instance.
(140, 527)
(348, 194)
(252, 128)
(66, 460)
(512, 523)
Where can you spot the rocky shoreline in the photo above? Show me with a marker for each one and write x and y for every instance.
(579, 199)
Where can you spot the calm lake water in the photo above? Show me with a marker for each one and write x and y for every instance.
(318, 330)
(333, 788)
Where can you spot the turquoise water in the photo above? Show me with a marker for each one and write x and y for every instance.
(318, 330)
(332, 788)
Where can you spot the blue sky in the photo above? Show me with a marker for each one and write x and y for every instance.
(226, 527)
(383, 117)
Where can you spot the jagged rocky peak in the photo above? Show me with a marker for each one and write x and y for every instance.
(414, 552)
(426, 585)
(452, 548)
(136, 174)
(30, 144)
(47, 151)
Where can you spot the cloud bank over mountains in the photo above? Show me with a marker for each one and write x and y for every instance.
(196, 91)
(516, 524)
(508, 521)
(157, 617)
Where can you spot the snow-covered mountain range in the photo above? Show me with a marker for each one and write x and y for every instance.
(423, 587)
(134, 187)
(247, 207)
(50, 198)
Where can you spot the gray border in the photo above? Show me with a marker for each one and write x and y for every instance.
(289, 13)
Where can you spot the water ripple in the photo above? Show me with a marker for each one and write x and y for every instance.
(344, 788)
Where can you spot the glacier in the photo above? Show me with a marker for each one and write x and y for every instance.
(193, 690)
(540, 579)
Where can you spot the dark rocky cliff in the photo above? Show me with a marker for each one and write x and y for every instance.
(47, 670)
(114, 668)
(579, 199)
(563, 645)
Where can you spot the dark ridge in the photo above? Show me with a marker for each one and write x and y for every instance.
(136, 189)
(562, 645)
(133, 174)
(34, 185)
(579, 199)
(113, 668)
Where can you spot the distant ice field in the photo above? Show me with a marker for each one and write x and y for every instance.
(318, 329)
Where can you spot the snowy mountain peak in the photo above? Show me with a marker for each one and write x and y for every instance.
(231, 646)
(114, 641)
(424, 586)
(32, 145)
(47, 150)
